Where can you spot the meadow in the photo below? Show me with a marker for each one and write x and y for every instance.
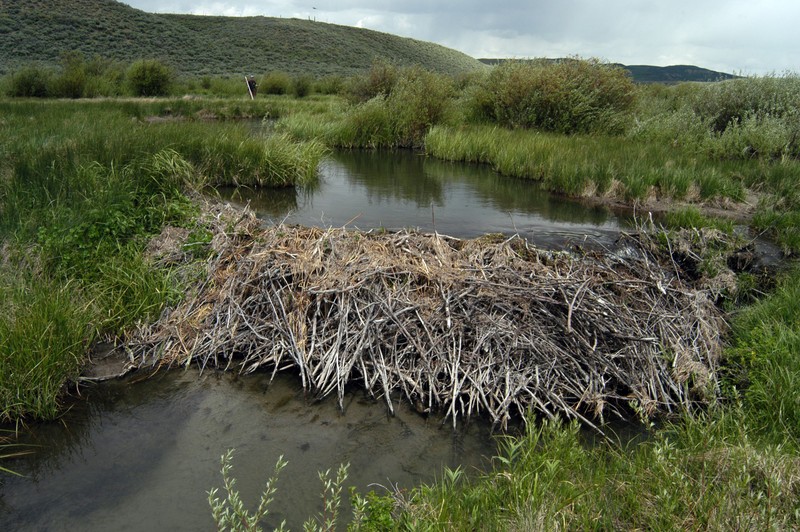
(84, 184)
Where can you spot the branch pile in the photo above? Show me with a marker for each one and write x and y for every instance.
(460, 327)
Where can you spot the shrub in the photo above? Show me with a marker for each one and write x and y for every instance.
(419, 100)
(276, 82)
(149, 77)
(733, 101)
(29, 82)
(301, 86)
(365, 126)
(755, 136)
(71, 82)
(379, 81)
(333, 84)
(568, 96)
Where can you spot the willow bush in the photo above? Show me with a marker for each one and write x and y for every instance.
(379, 81)
(567, 96)
(275, 82)
(149, 77)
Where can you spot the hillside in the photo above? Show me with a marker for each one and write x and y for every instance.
(674, 74)
(40, 30)
(656, 74)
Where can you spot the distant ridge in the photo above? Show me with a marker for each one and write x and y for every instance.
(655, 74)
(40, 30)
(674, 74)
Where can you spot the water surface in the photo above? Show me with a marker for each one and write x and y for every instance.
(404, 189)
(141, 457)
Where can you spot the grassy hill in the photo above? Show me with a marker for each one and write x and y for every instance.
(657, 74)
(40, 30)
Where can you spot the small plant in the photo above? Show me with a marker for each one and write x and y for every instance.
(372, 512)
(230, 513)
(331, 501)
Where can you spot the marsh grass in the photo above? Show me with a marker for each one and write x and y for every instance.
(83, 186)
(44, 334)
(586, 165)
(700, 474)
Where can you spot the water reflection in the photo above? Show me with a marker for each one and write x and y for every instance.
(404, 189)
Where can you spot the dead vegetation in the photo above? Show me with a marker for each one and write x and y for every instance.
(457, 327)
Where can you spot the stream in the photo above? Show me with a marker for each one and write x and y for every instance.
(143, 456)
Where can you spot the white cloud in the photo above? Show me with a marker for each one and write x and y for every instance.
(729, 35)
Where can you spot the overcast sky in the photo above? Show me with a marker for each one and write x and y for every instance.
(735, 36)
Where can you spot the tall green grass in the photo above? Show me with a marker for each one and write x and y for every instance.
(588, 165)
(83, 185)
(44, 334)
(766, 354)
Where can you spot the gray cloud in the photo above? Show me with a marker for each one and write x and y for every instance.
(746, 36)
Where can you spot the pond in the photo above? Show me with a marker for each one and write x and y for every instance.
(142, 457)
(404, 189)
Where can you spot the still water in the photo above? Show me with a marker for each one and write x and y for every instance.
(405, 189)
(141, 457)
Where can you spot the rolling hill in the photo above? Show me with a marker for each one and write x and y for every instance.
(40, 30)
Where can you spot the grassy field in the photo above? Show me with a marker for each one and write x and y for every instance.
(83, 184)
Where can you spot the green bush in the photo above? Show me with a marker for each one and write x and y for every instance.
(301, 86)
(756, 136)
(365, 126)
(567, 96)
(72, 81)
(30, 82)
(149, 77)
(330, 85)
(418, 101)
(733, 101)
(379, 81)
(276, 82)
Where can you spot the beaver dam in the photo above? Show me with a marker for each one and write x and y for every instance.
(491, 326)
